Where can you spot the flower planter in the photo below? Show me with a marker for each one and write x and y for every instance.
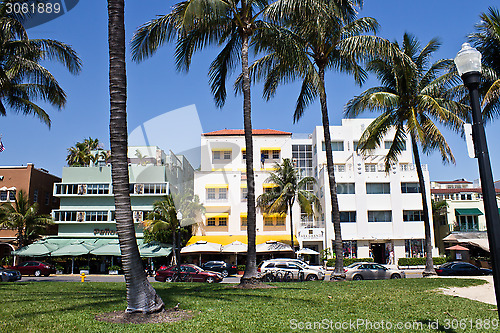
(113, 272)
(241, 272)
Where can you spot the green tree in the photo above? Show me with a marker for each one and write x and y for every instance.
(487, 41)
(24, 218)
(321, 35)
(162, 222)
(23, 80)
(229, 24)
(289, 188)
(85, 153)
(412, 97)
(141, 297)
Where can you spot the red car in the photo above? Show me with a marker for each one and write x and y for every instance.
(36, 268)
(189, 273)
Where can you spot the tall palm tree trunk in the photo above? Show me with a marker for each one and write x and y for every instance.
(429, 264)
(250, 274)
(339, 250)
(291, 228)
(141, 297)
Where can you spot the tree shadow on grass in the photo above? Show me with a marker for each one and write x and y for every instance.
(435, 326)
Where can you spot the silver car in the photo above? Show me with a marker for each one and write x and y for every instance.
(372, 271)
(301, 263)
(298, 271)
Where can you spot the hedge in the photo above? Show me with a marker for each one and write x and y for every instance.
(420, 261)
(348, 261)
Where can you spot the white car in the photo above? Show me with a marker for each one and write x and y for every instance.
(297, 271)
(302, 263)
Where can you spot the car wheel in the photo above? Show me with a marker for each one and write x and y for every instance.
(38, 273)
(168, 279)
(357, 277)
(311, 277)
(225, 273)
(395, 276)
(210, 280)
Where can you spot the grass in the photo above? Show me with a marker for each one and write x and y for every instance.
(71, 307)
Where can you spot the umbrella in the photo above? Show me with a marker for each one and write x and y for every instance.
(306, 250)
(235, 247)
(273, 246)
(76, 248)
(154, 250)
(39, 248)
(457, 248)
(202, 247)
(110, 249)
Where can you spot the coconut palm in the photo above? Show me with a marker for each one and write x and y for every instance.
(487, 41)
(412, 100)
(23, 80)
(82, 153)
(141, 297)
(24, 218)
(322, 35)
(229, 24)
(289, 188)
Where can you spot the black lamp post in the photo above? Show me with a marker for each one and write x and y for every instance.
(178, 233)
(468, 62)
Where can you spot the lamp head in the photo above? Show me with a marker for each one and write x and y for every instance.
(468, 60)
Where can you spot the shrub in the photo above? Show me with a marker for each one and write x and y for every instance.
(420, 261)
(348, 261)
(241, 268)
(114, 268)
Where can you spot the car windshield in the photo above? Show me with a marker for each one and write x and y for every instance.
(448, 264)
(354, 265)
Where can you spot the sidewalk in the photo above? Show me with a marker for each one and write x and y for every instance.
(484, 293)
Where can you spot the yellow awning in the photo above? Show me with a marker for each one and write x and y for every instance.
(207, 215)
(243, 214)
(269, 185)
(243, 185)
(270, 148)
(275, 215)
(217, 186)
(228, 239)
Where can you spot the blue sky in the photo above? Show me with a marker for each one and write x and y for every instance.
(155, 87)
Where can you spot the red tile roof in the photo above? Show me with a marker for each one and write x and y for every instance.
(241, 132)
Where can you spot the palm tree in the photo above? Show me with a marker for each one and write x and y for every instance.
(289, 188)
(412, 98)
(24, 218)
(141, 297)
(487, 41)
(81, 154)
(321, 35)
(228, 23)
(23, 80)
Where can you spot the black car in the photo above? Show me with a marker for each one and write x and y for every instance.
(7, 275)
(220, 266)
(460, 268)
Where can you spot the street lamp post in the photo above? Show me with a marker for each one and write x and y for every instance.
(468, 62)
(178, 232)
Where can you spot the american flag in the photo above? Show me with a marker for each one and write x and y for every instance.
(2, 148)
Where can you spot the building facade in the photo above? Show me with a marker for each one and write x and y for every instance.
(380, 212)
(37, 184)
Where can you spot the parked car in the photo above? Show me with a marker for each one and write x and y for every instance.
(291, 266)
(36, 268)
(189, 273)
(461, 269)
(7, 275)
(300, 262)
(221, 267)
(371, 271)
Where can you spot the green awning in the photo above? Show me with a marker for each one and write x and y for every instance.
(467, 211)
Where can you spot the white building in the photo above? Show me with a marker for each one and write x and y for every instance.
(380, 211)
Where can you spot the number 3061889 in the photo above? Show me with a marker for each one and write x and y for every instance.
(33, 8)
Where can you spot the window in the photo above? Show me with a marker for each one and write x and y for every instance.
(154, 188)
(350, 249)
(244, 153)
(274, 220)
(466, 196)
(268, 221)
(345, 188)
(339, 167)
(47, 199)
(355, 145)
(347, 216)
(370, 167)
(388, 145)
(280, 220)
(413, 215)
(64, 216)
(220, 155)
(380, 216)
(3, 195)
(468, 223)
(378, 188)
(410, 188)
(98, 189)
(211, 221)
(276, 154)
(12, 195)
(243, 220)
(216, 193)
(414, 248)
(244, 194)
(222, 221)
(336, 146)
(35, 196)
(96, 216)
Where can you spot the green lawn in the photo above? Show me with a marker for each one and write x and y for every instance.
(71, 307)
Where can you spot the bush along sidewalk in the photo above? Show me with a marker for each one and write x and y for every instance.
(348, 261)
(420, 261)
